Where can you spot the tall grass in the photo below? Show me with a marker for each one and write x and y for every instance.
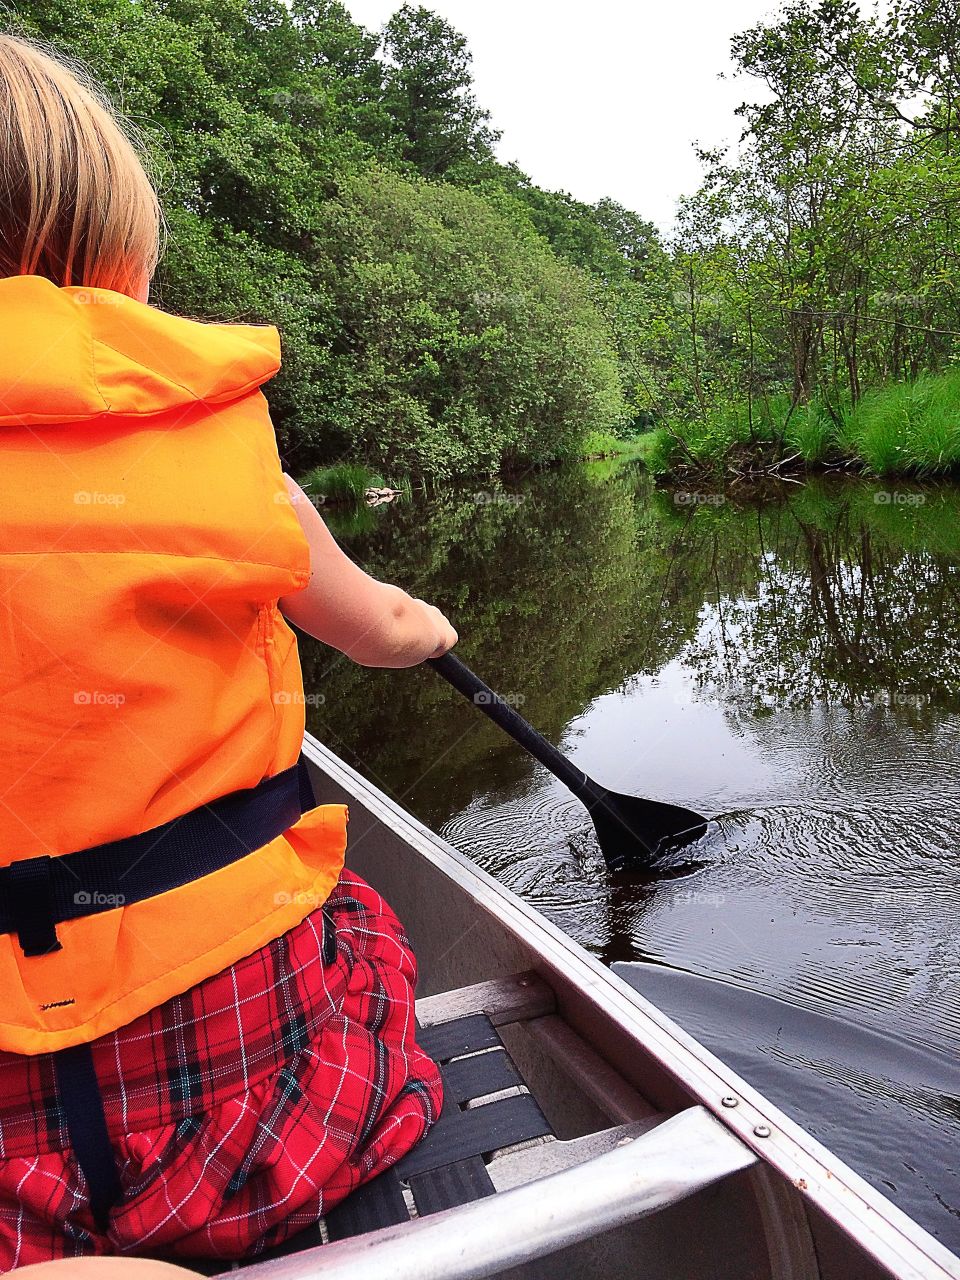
(812, 432)
(604, 444)
(661, 456)
(908, 428)
(343, 482)
(709, 442)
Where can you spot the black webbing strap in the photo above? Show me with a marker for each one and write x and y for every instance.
(307, 798)
(82, 1106)
(36, 894)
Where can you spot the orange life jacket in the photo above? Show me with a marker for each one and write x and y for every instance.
(146, 536)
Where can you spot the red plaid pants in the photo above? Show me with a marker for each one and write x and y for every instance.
(238, 1112)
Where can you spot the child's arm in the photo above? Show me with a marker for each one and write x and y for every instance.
(373, 623)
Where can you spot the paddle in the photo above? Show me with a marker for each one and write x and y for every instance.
(632, 832)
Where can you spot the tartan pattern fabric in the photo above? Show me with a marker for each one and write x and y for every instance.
(238, 1112)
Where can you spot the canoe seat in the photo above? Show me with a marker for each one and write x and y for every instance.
(486, 1107)
(491, 1140)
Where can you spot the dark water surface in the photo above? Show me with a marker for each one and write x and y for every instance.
(792, 664)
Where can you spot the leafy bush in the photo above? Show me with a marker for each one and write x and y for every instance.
(459, 346)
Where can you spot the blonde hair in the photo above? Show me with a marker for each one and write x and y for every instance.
(76, 204)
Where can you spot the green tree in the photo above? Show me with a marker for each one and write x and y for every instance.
(429, 93)
(817, 263)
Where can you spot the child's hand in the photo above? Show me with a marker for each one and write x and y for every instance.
(440, 629)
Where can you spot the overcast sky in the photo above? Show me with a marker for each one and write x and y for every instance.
(603, 97)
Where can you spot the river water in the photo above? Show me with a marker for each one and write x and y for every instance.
(790, 664)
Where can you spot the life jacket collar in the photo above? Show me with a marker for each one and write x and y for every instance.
(78, 354)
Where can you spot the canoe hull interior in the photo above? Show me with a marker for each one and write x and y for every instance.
(603, 1055)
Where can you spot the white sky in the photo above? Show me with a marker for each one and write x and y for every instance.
(603, 98)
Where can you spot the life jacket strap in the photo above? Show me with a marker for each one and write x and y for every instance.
(37, 894)
(81, 1102)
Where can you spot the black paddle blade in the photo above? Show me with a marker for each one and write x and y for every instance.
(633, 833)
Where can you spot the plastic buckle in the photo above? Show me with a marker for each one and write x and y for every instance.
(29, 893)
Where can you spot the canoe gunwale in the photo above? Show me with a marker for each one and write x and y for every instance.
(534, 1220)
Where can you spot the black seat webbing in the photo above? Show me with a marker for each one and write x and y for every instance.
(448, 1166)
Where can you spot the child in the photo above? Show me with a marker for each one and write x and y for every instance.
(206, 1026)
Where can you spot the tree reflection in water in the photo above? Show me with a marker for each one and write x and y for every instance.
(585, 580)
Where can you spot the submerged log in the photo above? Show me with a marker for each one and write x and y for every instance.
(374, 497)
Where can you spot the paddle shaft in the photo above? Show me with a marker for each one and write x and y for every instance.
(510, 721)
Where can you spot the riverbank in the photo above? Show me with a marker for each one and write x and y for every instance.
(903, 429)
(347, 483)
(909, 429)
(599, 446)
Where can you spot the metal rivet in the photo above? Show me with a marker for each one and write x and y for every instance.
(762, 1130)
(728, 1100)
